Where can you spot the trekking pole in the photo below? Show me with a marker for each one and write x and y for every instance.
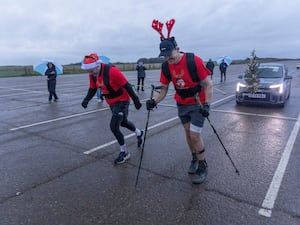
(153, 88)
(210, 123)
(236, 170)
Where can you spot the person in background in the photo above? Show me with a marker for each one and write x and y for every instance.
(117, 92)
(210, 65)
(99, 95)
(223, 68)
(51, 81)
(141, 74)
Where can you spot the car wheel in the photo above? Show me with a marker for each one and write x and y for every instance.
(238, 103)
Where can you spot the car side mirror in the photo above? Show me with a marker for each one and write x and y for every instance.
(288, 78)
(240, 76)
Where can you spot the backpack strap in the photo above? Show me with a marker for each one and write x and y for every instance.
(166, 71)
(112, 93)
(190, 60)
(94, 79)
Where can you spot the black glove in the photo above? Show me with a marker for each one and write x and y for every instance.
(204, 109)
(150, 104)
(137, 104)
(84, 103)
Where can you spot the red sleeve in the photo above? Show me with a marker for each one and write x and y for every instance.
(163, 79)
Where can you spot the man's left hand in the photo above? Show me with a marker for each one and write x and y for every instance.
(204, 109)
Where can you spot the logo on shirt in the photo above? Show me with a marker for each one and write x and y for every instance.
(178, 75)
(180, 84)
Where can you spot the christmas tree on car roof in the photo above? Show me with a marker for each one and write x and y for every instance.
(251, 74)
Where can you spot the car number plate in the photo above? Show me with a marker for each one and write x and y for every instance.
(256, 95)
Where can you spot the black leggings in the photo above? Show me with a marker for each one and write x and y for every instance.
(119, 118)
(140, 81)
(223, 74)
(51, 89)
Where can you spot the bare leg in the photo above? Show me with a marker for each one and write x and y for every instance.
(194, 141)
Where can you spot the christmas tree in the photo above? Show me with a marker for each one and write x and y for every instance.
(252, 73)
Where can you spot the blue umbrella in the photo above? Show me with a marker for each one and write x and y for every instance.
(104, 59)
(42, 67)
(226, 59)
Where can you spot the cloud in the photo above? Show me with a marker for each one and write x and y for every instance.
(67, 30)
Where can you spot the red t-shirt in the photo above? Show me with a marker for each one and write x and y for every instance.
(182, 80)
(116, 80)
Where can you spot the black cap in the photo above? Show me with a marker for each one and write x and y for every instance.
(167, 46)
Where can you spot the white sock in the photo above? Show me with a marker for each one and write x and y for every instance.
(123, 148)
(137, 132)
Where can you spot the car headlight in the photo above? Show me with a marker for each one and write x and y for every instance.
(239, 86)
(278, 86)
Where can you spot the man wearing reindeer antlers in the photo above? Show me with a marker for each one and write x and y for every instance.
(193, 87)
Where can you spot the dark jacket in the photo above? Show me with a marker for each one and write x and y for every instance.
(223, 67)
(210, 65)
(51, 76)
(141, 71)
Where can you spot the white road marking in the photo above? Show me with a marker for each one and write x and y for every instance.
(19, 89)
(61, 118)
(57, 119)
(223, 99)
(128, 136)
(271, 195)
(223, 92)
(168, 105)
(17, 94)
(255, 114)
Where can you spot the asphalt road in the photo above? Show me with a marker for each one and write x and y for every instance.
(56, 159)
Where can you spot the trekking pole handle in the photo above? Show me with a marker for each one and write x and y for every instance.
(156, 87)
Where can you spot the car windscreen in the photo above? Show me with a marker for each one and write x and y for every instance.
(270, 72)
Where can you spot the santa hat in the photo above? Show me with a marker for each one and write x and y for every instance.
(90, 61)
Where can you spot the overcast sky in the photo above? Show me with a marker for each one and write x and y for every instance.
(66, 30)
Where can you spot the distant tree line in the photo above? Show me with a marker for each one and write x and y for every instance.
(75, 68)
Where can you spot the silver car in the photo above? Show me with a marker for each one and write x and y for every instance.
(274, 86)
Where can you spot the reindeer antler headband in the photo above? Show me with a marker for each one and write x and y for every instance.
(157, 25)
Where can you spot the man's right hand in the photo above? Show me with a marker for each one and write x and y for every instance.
(84, 103)
(137, 104)
(150, 104)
